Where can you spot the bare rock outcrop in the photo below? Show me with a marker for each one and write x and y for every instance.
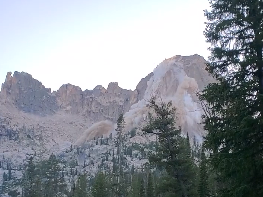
(69, 98)
(176, 79)
(28, 94)
(97, 104)
(142, 86)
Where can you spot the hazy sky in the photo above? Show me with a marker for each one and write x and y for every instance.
(94, 42)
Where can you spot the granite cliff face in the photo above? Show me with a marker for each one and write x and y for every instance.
(30, 96)
(97, 104)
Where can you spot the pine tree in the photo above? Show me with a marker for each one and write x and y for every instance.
(99, 188)
(203, 188)
(119, 165)
(234, 106)
(171, 150)
(81, 187)
(189, 168)
(30, 181)
(9, 174)
(150, 188)
(54, 183)
(135, 186)
(142, 187)
(13, 193)
(5, 177)
(120, 140)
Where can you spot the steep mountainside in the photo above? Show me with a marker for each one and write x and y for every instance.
(34, 119)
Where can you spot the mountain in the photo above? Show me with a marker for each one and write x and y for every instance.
(34, 120)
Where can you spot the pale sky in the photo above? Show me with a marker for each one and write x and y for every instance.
(94, 42)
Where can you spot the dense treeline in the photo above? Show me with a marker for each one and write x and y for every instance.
(234, 105)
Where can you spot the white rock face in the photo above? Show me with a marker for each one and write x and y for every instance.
(177, 79)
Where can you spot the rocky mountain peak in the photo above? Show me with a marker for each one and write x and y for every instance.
(176, 79)
(114, 88)
(28, 94)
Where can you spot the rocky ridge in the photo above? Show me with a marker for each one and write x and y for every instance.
(30, 96)
(44, 121)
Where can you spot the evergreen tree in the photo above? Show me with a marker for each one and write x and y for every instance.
(234, 106)
(5, 177)
(99, 188)
(172, 153)
(9, 174)
(120, 140)
(119, 166)
(212, 180)
(31, 180)
(142, 187)
(203, 188)
(81, 187)
(166, 187)
(189, 168)
(54, 183)
(150, 188)
(196, 149)
(13, 193)
(135, 186)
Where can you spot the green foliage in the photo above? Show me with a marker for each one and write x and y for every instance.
(13, 193)
(30, 181)
(43, 179)
(99, 188)
(173, 152)
(5, 177)
(203, 187)
(196, 149)
(135, 186)
(9, 174)
(142, 187)
(119, 160)
(234, 105)
(166, 187)
(81, 187)
(150, 187)
(53, 182)
(133, 132)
